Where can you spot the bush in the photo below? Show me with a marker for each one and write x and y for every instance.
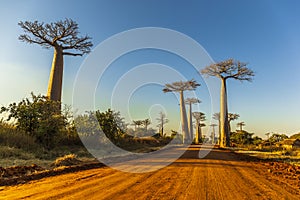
(11, 137)
(12, 152)
(39, 117)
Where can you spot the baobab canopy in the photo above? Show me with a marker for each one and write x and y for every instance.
(63, 37)
(60, 33)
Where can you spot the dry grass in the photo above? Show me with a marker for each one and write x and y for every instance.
(67, 160)
(289, 156)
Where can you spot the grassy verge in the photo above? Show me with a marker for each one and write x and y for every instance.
(291, 156)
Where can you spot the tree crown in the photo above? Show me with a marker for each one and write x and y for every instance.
(181, 86)
(199, 116)
(229, 69)
(62, 34)
(192, 100)
(233, 116)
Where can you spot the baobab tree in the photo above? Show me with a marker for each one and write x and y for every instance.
(191, 101)
(199, 116)
(213, 133)
(268, 135)
(216, 116)
(180, 87)
(63, 37)
(146, 123)
(241, 124)
(137, 124)
(229, 69)
(232, 117)
(162, 120)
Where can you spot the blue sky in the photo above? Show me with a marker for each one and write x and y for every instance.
(265, 34)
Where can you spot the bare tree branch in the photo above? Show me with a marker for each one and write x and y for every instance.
(192, 100)
(229, 69)
(181, 86)
(72, 54)
(62, 34)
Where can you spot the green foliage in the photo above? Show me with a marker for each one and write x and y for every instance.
(277, 137)
(257, 140)
(93, 124)
(295, 136)
(38, 117)
(241, 137)
(111, 123)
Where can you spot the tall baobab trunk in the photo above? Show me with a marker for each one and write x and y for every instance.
(224, 140)
(56, 75)
(185, 131)
(200, 132)
(197, 133)
(162, 127)
(190, 121)
(213, 136)
(219, 129)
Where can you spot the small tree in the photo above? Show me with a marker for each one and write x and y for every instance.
(146, 123)
(181, 87)
(232, 117)
(137, 124)
(241, 124)
(242, 137)
(268, 135)
(276, 137)
(111, 123)
(162, 120)
(199, 116)
(38, 117)
(225, 70)
(63, 37)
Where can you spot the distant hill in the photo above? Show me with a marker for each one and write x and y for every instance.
(295, 136)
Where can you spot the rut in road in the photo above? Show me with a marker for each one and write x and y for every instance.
(220, 175)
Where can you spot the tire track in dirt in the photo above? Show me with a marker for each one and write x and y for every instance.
(220, 175)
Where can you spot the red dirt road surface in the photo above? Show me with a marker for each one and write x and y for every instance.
(220, 175)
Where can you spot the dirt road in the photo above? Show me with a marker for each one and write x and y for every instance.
(220, 175)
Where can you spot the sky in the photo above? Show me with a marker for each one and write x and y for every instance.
(263, 33)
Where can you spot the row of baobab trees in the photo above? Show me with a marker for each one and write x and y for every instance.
(228, 69)
(63, 37)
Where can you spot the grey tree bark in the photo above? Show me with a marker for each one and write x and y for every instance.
(56, 75)
(184, 126)
(224, 128)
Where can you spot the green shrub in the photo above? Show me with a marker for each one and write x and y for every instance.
(12, 137)
(11, 152)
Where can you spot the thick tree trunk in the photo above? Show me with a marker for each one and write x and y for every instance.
(224, 140)
(197, 133)
(190, 121)
(56, 75)
(200, 131)
(185, 131)
(219, 129)
(162, 127)
(213, 136)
